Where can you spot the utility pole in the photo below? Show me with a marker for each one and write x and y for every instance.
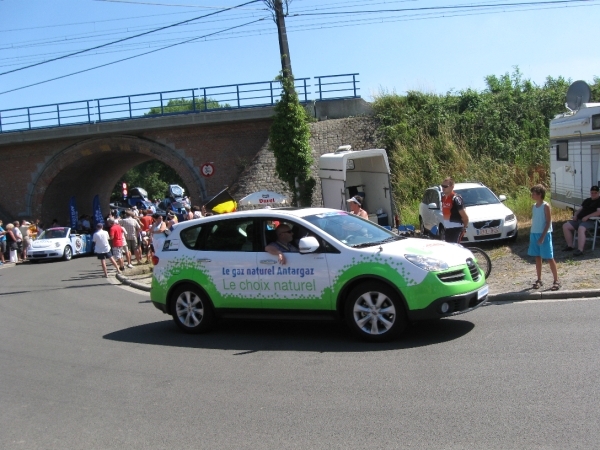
(284, 50)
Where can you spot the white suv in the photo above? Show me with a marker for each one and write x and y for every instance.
(346, 268)
(489, 218)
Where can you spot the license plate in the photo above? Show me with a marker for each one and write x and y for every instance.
(483, 292)
(486, 231)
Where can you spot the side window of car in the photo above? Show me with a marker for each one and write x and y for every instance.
(230, 236)
(426, 197)
(190, 236)
(435, 198)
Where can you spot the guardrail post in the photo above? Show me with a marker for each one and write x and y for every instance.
(58, 114)
(129, 100)
(88, 109)
(320, 92)
(99, 114)
(305, 92)
(205, 104)
(162, 110)
(237, 89)
(354, 84)
(29, 118)
(193, 100)
(0, 122)
(271, 88)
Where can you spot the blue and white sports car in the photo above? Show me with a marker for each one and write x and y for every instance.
(59, 243)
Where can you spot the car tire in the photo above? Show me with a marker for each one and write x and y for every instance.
(422, 229)
(68, 253)
(442, 232)
(374, 312)
(191, 310)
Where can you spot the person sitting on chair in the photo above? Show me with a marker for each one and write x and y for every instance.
(283, 244)
(580, 222)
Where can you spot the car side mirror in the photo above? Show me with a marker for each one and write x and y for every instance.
(502, 198)
(432, 206)
(308, 244)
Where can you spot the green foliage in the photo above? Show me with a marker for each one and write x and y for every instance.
(183, 104)
(499, 136)
(153, 176)
(289, 141)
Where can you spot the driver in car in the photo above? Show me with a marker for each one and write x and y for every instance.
(283, 244)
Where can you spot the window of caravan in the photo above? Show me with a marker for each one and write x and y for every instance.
(596, 122)
(562, 150)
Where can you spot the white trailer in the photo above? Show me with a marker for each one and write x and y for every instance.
(575, 149)
(345, 173)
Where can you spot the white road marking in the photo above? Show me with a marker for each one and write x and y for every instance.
(528, 302)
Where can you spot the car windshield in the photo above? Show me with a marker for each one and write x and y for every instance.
(477, 196)
(351, 230)
(53, 233)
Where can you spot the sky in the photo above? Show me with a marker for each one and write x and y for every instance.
(394, 46)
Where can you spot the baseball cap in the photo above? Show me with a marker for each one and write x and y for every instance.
(594, 188)
(353, 200)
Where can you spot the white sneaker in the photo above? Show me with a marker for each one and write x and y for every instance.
(130, 266)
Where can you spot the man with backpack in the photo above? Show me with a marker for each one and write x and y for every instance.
(453, 209)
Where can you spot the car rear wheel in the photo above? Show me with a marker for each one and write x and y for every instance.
(68, 253)
(374, 312)
(191, 310)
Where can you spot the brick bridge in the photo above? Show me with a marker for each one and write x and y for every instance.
(41, 169)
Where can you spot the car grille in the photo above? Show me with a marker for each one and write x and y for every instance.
(487, 223)
(487, 236)
(473, 269)
(459, 275)
(452, 277)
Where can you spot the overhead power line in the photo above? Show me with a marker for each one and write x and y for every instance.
(426, 8)
(130, 57)
(130, 37)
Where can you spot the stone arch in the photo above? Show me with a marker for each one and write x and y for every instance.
(94, 166)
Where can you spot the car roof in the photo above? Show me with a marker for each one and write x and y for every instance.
(280, 213)
(466, 185)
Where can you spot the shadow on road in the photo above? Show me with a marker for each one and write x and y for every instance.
(250, 337)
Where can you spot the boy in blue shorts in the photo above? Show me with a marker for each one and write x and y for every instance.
(540, 236)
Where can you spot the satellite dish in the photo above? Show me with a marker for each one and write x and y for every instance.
(579, 93)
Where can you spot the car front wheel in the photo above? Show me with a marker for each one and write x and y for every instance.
(191, 310)
(374, 312)
(68, 253)
(422, 229)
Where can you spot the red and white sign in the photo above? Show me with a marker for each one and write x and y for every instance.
(207, 169)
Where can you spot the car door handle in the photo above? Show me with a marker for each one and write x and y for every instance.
(268, 261)
(203, 260)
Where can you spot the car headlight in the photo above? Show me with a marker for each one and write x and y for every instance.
(509, 218)
(57, 244)
(426, 263)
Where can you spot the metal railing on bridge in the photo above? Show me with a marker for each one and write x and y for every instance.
(185, 101)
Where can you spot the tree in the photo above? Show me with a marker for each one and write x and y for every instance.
(154, 176)
(289, 141)
(182, 104)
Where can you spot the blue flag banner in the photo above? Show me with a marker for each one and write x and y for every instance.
(97, 211)
(73, 213)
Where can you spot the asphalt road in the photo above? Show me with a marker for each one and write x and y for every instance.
(85, 364)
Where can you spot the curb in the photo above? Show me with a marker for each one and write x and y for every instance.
(544, 295)
(126, 281)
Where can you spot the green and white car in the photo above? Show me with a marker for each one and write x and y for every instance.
(346, 267)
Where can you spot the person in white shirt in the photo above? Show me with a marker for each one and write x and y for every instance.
(102, 248)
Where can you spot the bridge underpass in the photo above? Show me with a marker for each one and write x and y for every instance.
(43, 168)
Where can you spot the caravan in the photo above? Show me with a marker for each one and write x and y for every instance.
(575, 149)
(345, 173)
